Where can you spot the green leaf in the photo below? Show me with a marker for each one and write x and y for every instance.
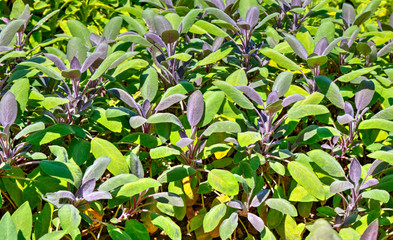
(203, 27)
(386, 114)
(228, 226)
(223, 126)
(317, 61)
(101, 148)
(17, 9)
(112, 28)
(13, 55)
(76, 47)
(51, 102)
(381, 124)
(180, 56)
(176, 173)
(322, 230)
(221, 15)
(213, 217)
(53, 235)
(188, 20)
(164, 118)
(143, 139)
(54, 132)
(48, 71)
(106, 64)
(326, 162)
(331, 90)
(67, 171)
(79, 30)
(117, 181)
(43, 223)
(238, 77)
(377, 194)
(134, 24)
(234, 94)
(223, 181)
(137, 230)
(282, 83)
(79, 150)
(132, 188)
(8, 229)
(354, 74)
(21, 89)
(214, 57)
(116, 233)
(382, 155)
(307, 179)
(307, 110)
(161, 152)
(9, 31)
(247, 138)
(23, 220)
(70, 219)
(326, 29)
(149, 82)
(282, 205)
(167, 225)
(280, 59)
(213, 101)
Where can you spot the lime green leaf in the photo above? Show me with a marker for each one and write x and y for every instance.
(213, 217)
(101, 148)
(214, 57)
(247, 138)
(280, 59)
(327, 163)
(130, 189)
(223, 181)
(282, 205)
(307, 179)
(234, 94)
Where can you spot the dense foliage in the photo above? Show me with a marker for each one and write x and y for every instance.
(196, 119)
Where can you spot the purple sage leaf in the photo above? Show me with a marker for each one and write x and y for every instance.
(364, 94)
(260, 198)
(252, 16)
(292, 99)
(59, 64)
(376, 167)
(296, 46)
(321, 46)
(344, 119)
(235, 204)
(184, 142)
(349, 14)
(97, 195)
(340, 186)
(124, 96)
(369, 183)
(251, 94)
(272, 98)
(256, 222)
(371, 232)
(154, 38)
(195, 108)
(169, 101)
(349, 109)
(8, 109)
(355, 171)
